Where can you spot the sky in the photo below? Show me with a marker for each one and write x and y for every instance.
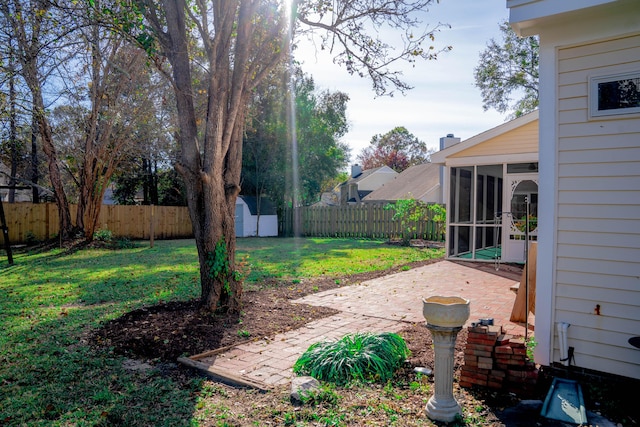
(444, 99)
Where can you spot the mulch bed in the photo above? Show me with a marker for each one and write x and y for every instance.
(167, 331)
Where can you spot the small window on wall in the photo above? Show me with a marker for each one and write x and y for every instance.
(614, 95)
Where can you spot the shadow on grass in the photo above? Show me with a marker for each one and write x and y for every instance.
(51, 375)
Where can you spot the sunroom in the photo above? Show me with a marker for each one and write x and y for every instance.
(491, 189)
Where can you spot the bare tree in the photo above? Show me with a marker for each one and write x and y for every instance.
(117, 72)
(33, 29)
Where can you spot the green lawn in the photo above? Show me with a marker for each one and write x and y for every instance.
(50, 302)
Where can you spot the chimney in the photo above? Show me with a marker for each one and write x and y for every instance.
(356, 170)
(448, 141)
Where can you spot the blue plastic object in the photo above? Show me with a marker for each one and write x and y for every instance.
(564, 402)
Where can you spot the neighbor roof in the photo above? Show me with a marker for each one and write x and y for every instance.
(414, 182)
(368, 172)
(266, 206)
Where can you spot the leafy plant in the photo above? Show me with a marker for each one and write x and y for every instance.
(325, 394)
(410, 211)
(218, 262)
(103, 235)
(219, 267)
(531, 344)
(30, 238)
(124, 243)
(244, 333)
(438, 213)
(365, 357)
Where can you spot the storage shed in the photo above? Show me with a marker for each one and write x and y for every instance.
(249, 223)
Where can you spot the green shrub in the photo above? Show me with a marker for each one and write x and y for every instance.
(31, 239)
(361, 357)
(103, 235)
(124, 243)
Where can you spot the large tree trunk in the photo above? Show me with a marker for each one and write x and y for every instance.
(212, 181)
(241, 47)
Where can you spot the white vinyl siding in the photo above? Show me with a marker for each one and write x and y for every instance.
(598, 212)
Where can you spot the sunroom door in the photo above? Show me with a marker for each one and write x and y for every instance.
(522, 197)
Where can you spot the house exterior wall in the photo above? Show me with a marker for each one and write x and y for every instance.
(589, 235)
(518, 141)
(598, 240)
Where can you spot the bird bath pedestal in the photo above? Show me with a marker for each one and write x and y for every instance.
(445, 318)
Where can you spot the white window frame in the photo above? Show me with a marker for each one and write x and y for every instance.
(594, 81)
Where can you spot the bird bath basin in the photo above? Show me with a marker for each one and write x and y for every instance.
(448, 312)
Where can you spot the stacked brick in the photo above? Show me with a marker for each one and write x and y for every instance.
(497, 361)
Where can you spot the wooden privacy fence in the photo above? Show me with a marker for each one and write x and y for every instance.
(40, 221)
(367, 220)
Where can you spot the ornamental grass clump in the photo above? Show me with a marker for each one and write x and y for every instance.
(364, 357)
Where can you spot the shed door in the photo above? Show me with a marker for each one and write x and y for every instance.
(239, 220)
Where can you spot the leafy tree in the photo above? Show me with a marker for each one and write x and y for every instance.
(15, 116)
(397, 149)
(410, 211)
(242, 42)
(265, 143)
(509, 68)
(320, 123)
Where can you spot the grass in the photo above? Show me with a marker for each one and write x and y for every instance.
(51, 301)
(301, 258)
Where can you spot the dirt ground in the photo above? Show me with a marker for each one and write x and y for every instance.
(168, 331)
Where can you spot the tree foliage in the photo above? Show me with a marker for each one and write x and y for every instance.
(410, 211)
(321, 122)
(507, 69)
(397, 149)
(33, 27)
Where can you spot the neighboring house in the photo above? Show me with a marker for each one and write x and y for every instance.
(363, 182)
(247, 217)
(420, 182)
(488, 180)
(20, 195)
(588, 267)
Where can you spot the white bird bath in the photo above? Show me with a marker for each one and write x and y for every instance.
(445, 318)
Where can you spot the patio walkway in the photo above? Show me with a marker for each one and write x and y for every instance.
(385, 304)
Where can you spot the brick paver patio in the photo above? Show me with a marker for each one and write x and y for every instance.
(384, 304)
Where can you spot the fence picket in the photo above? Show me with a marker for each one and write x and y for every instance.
(40, 221)
(369, 220)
